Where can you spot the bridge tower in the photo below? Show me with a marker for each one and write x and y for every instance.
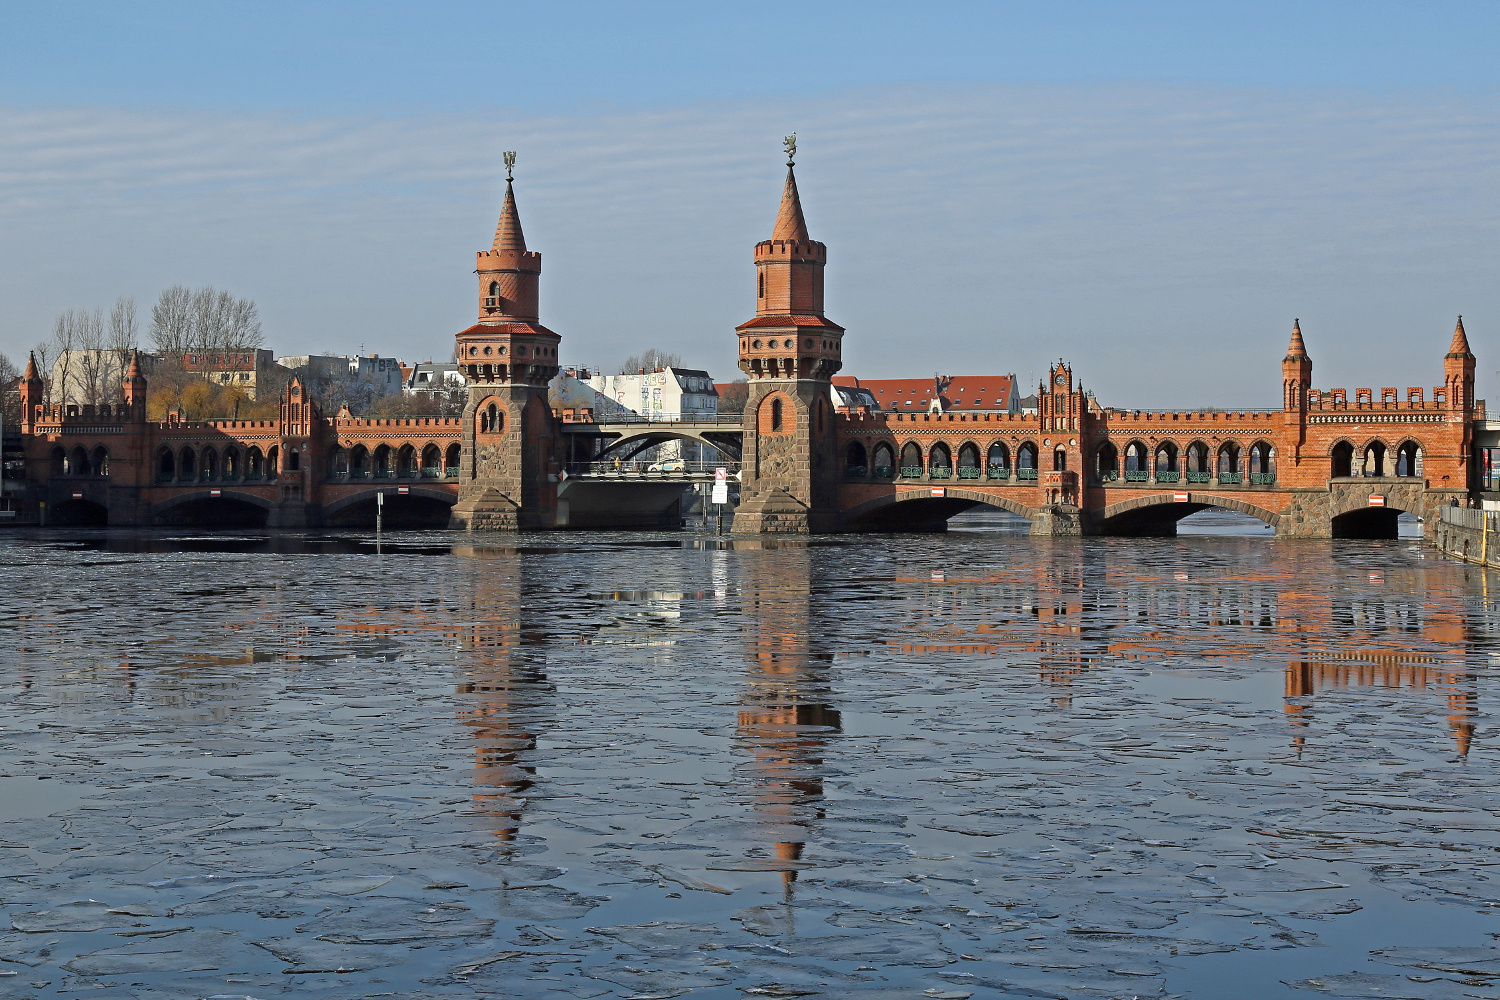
(508, 475)
(790, 351)
(1296, 380)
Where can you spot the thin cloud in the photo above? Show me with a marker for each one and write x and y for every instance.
(1160, 237)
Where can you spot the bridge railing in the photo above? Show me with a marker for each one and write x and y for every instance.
(722, 419)
(1467, 517)
(664, 469)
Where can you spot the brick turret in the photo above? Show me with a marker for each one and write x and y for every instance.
(790, 351)
(1296, 372)
(33, 395)
(508, 469)
(1458, 370)
(134, 388)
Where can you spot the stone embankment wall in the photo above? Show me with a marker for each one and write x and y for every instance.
(1470, 535)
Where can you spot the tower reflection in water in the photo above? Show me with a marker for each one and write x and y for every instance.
(506, 696)
(787, 717)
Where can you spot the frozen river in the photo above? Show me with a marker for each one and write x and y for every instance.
(649, 766)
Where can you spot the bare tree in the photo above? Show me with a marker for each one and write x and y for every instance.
(650, 360)
(10, 396)
(204, 320)
(172, 321)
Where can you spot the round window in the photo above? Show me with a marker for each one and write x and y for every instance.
(473, 351)
(486, 351)
(755, 344)
(502, 349)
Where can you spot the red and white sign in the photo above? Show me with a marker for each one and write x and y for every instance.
(1377, 501)
(1180, 497)
(213, 493)
(721, 475)
(77, 496)
(939, 491)
(403, 489)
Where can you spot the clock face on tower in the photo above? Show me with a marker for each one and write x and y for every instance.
(1062, 379)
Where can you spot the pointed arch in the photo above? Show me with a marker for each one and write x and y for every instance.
(911, 460)
(884, 462)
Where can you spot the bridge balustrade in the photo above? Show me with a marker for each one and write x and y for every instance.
(1199, 477)
(997, 472)
(1262, 479)
(856, 471)
(941, 472)
(1230, 478)
(1026, 474)
(884, 472)
(965, 472)
(911, 472)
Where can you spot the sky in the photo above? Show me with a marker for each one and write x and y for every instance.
(1153, 191)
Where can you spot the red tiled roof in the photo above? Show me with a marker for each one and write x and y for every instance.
(489, 330)
(783, 321)
(965, 392)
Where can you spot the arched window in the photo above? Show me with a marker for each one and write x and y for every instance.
(338, 465)
(187, 466)
(1375, 459)
(854, 460)
(1197, 460)
(998, 457)
(968, 461)
(911, 461)
(432, 462)
(1229, 463)
(1026, 458)
(382, 461)
(273, 459)
(210, 464)
(775, 414)
(1409, 459)
(232, 468)
(940, 461)
(1107, 463)
(1262, 463)
(59, 462)
(78, 462)
(294, 461)
(450, 467)
(166, 466)
(1059, 458)
(762, 293)
(359, 462)
(406, 462)
(494, 289)
(1165, 462)
(885, 461)
(1137, 462)
(255, 466)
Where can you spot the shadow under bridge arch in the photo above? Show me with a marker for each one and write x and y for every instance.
(920, 511)
(213, 509)
(416, 509)
(1157, 516)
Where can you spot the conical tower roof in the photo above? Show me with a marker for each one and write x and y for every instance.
(1296, 349)
(508, 235)
(31, 373)
(1460, 346)
(790, 226)
(134, 371)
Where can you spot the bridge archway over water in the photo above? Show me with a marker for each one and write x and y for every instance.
(79, 514)
(918, 512)
(416, 509)
(1158, 515)
(230, 509)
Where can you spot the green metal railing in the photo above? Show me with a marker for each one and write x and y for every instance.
(450, 472)
(1137, 475)
(1109, 476)
(1025, 473)
(940, 472)
(911, 472)
(967, 472)
(856, 471)
(1199, 477)
(1262, 479)
(1166, 477)
(997, 472)
(884, 472)
(1230, 478)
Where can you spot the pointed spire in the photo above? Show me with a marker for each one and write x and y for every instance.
(508, 235)
(31, 373)
(1296, 349)
(134, 371)
(1460, 346)
(790, 226)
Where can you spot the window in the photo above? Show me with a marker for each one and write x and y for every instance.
(775, 414)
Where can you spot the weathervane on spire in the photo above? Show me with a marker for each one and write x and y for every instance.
(510, 165)
(790, 142)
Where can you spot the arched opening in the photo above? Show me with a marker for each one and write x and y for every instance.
(1229, 463)
(1137, 462)
(1368, 522)
(854, 460)
(911, 461)
(100, 461)
(1374, 464)
(968, 461)
(494, 291)
(58, 462)
(78, 462)
(885, 461)
(294, 461)
(997, 461)
(1409, 459)
(338, 464)
(491, 419)
(1199, 466)
(382, 462)
(1342, 460)
(255, 464)
(450, 464)
(273, 457)
(359, 462)
(215, 512)
(406, 462)
(1262, 464)
(775, 414)
(210, 465)
(166, 466)
(1026, 461)
(1059, 459)
(187, 466)
(400, 513)
(1107, 463)
(232, 465)
(940, 461)
(78, 514)
(1166, 462)
(432, 462)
